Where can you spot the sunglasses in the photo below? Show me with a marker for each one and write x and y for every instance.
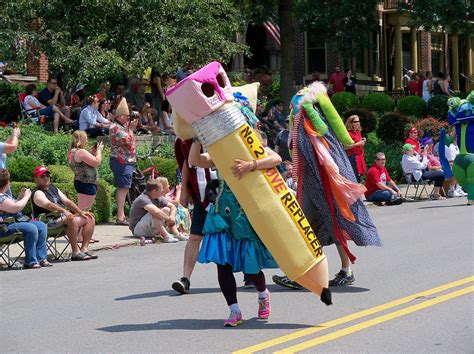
(356, 121)
(381, 159)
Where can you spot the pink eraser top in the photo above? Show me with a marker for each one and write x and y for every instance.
(201, 93)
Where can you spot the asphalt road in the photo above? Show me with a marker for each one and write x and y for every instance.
(123, 301)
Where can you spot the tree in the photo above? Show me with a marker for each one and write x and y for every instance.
(452, 16)
(91, 40)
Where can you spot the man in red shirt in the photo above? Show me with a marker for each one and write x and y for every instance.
(380, 187)
(336, 81)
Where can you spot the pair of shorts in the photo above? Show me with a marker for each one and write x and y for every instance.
(122, 173)
(47, 111)
(146, 226)
(85, 188)
(198, 219)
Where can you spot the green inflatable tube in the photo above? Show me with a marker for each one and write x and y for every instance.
(334, 119)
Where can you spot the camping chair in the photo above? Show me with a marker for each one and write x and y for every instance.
(32, 114)
(423, 184)
(7, 241)
(55, 233)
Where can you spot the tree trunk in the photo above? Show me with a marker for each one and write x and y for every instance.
(285, 10)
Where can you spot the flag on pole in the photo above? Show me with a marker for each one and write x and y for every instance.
(273, 31)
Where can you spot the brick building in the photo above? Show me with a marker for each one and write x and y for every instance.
(395, 48)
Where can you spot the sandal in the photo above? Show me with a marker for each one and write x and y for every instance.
(91, 255)
(81, 256)
(45, 263)
(123, 222)
(31, 266)
(436, 197)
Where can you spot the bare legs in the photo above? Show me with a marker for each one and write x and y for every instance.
(120, 197)
(190, 254)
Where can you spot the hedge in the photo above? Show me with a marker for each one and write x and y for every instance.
(438, 107)
(392, 127)
(368, 120)
(378, 102)
(102, 208)
(166, 168)
(343, 101)
(412, 106)
(393, 154)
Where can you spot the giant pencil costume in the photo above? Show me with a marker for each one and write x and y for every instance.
(461, 115)
(205, 101)
(327, 187)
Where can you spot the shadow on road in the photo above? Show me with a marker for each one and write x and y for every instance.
(348, 289)
(197, 324)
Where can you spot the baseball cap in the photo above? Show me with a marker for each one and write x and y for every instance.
(40, 170)
(407, 147)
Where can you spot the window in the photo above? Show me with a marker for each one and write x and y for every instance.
(437, 53)
(315, 53)
(406, 51)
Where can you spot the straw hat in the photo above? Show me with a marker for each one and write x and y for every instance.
(122, 108)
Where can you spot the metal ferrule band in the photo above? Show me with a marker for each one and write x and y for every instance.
(218, 124)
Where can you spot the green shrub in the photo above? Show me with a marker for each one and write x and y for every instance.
(412, 106)
(343, 101)
(53, 149)
(438, 107)
(392, 127)
(21, 168)
(166, 167)
(104, 169)
(430, 126)
(368, 120)
(102, 208)
(61, 174)
(378, 102)
(9, 105)
(393, 154)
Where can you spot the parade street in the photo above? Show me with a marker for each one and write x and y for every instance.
(415, 294)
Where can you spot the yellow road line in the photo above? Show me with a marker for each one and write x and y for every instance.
(351, 317)
(375, 321)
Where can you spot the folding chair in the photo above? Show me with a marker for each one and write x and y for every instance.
(32, 114)
(423, 184)
(55, 233)
(7, 241)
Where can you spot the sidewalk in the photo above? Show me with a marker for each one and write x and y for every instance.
(110, 236)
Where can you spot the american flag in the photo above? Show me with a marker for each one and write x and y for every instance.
(273, 31)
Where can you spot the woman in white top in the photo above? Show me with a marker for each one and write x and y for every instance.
(427, 86)
(31, 103)
(417, 165)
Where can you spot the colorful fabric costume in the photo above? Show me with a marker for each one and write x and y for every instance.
(461, 115)
(327, 186)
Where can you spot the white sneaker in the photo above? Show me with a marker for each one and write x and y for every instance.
(450, 193)
(182, 237)
(460, 191)
(170, 239)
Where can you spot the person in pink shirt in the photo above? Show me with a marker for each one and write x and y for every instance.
(336, 81)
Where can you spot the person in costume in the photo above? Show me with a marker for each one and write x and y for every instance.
(461, 115)
(327, 186)
(231, 242)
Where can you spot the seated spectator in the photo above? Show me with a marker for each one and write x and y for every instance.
(91, 121)
(31, 103)
(183, 218)
(288, 175)
(151, 213)
(34, 232)
(48, 198)
(77, 100)
(52, 94)
(104, 109)
(148, 119)
(413, 139)
(104, 92)
(380, 187)
(411, 164)
(135, 96)
(117, 96)
(166, 123)
(276, 116)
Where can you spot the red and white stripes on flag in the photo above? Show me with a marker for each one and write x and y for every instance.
(273, 31)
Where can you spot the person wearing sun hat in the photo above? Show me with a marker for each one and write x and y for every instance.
(411, 164)
(122, 156)
(413, 139)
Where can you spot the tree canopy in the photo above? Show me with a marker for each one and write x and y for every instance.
(453, 16)
(93, 39)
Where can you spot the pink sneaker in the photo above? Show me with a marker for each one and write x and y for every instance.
(234, 319)
(264, 308)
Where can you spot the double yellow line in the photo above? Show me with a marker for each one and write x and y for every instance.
(361, 314)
